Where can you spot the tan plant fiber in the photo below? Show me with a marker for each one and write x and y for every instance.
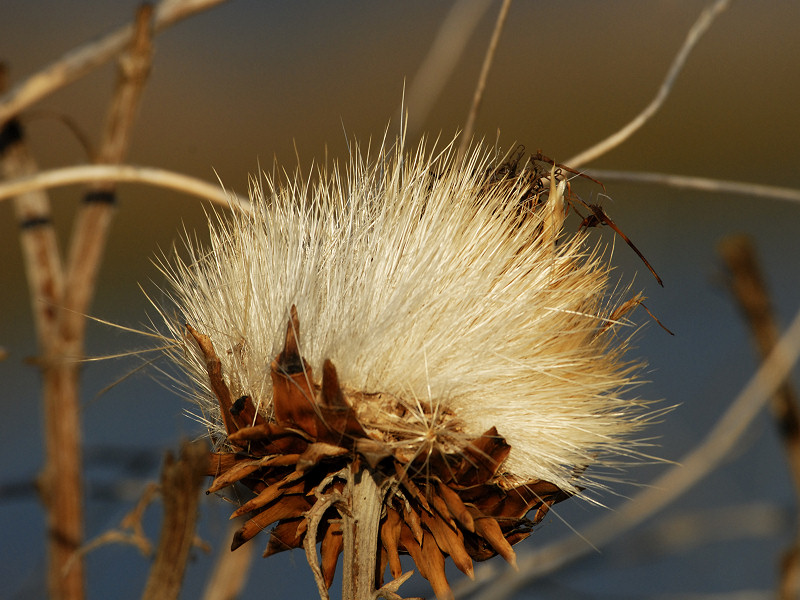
(446, 311)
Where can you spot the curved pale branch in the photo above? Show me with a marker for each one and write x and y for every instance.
(704, 184)
(78, 62)
(127, 174)
(700, 26)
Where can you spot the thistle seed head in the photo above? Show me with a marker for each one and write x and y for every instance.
(427, 314)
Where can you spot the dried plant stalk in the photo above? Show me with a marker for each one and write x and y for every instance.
(81, 61)
(122, 174)
(60, 483)
(469, 128)
(361, 538)
(749, 289)
(181, 481)
(747, 285)
(230, 572)
(60, 301)
(93, 221)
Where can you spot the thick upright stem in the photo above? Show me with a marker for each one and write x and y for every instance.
(181, 481)
(361, 535)
(61, 482)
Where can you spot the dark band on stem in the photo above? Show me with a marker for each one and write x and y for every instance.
(100, 197)
(10, 134)
(34, 222)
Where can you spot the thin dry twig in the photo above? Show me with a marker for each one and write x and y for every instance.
(700, 26)
(441, 59)
(389, 590)
(94, 217)
(314, 518)
(84, 59)
(60, 483)
(74, 128)
(127, 174)
(676, 481)
(130, 530)
(61, 328)
(704, 184)
(230, 569)
(469, 128)
(748, 288)
(181, 483)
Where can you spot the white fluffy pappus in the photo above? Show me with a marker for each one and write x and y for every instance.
(448, 299)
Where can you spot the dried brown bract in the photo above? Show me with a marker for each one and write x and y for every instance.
(440, 504)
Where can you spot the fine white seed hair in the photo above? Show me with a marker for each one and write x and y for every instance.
(463, 302)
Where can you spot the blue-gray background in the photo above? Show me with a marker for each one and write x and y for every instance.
(251, 81)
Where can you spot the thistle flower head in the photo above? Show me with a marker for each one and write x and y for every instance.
(427, 313)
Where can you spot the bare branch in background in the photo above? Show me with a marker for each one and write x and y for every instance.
(71, 125)
(37, 236)
(445, 52)
(695, 465)
(60, 299)
(702, 24)
(748, 287)
(81, 61)
(60, 484)
(231, 569)
(93, 221)
(130, 530)
(128, 174)
(181, 483)
(704, 184)
(469, 128)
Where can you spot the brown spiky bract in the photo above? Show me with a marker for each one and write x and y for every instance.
(425, 319)
(449, 505)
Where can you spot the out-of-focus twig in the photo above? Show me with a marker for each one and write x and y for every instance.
(36, 114)
(700, 26)
(704, 184)
(441, 59)
(124, 173)
(37, 236)
(230, 570)
(93, 221)
(60, 483)
(181, 482)
(469, 128)
(699, 527)
(749, 290)
(692, 468)
(61, 327)
(130, 530)
(80, 61)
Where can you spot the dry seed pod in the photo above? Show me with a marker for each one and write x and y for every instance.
(426, 318)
